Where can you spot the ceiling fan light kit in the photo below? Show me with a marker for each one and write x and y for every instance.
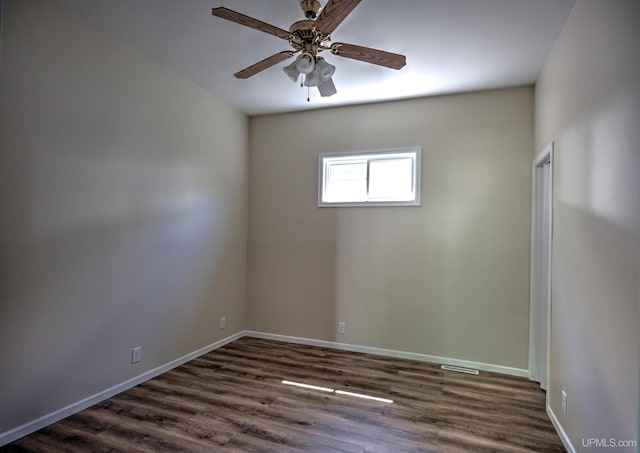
(316, 71)
(310, 37)
(321, 74)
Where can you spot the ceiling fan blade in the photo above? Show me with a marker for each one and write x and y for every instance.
(333, 13)
(263, 64)
(327, 88)
(239, 18)
(373, 56)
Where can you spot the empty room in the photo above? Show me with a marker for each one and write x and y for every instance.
(319, 226)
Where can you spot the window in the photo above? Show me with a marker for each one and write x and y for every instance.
(380, 178)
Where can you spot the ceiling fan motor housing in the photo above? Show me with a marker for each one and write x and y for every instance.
(310, 8)
(305, 37)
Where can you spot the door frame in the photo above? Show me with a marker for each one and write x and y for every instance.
(540, 283)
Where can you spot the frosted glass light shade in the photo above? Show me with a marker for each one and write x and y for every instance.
(305, 63)
(325, 70)
(312, 79)
(292, 72)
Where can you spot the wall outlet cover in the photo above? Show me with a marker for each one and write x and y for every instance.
(136, 354)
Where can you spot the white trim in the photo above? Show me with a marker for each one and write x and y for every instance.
(33, 426)
(560, 430)
(417, 171)
(546, 156)
(392, 353)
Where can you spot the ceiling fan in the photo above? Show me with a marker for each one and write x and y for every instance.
(309, 37)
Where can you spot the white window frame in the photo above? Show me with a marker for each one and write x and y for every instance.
(323, 159)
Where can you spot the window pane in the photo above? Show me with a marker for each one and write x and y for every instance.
(391, 179)
(382, 178)
(346, 181)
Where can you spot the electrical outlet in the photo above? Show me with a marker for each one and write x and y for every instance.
(223, 322)
(136, 354)
(341, 327)
(564, 402)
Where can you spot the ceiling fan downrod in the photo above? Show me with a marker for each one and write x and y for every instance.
(310, 8)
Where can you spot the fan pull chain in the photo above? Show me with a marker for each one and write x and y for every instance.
(308, 94)
(302, 86)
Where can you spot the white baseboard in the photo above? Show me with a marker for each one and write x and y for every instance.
(35, 425)
(560, 430)
(392, 353)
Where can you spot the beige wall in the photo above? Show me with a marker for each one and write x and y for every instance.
(588, 103)
(449, 278)
(123, 201)
(123, 193)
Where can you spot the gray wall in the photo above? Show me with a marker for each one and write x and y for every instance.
(449, 278)
(123, 199)
(588, 103)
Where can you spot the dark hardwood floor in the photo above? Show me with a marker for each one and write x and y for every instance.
(233, 400)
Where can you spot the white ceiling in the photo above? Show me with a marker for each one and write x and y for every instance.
(451, 46)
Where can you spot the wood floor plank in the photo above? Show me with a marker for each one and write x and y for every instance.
(233, 400)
